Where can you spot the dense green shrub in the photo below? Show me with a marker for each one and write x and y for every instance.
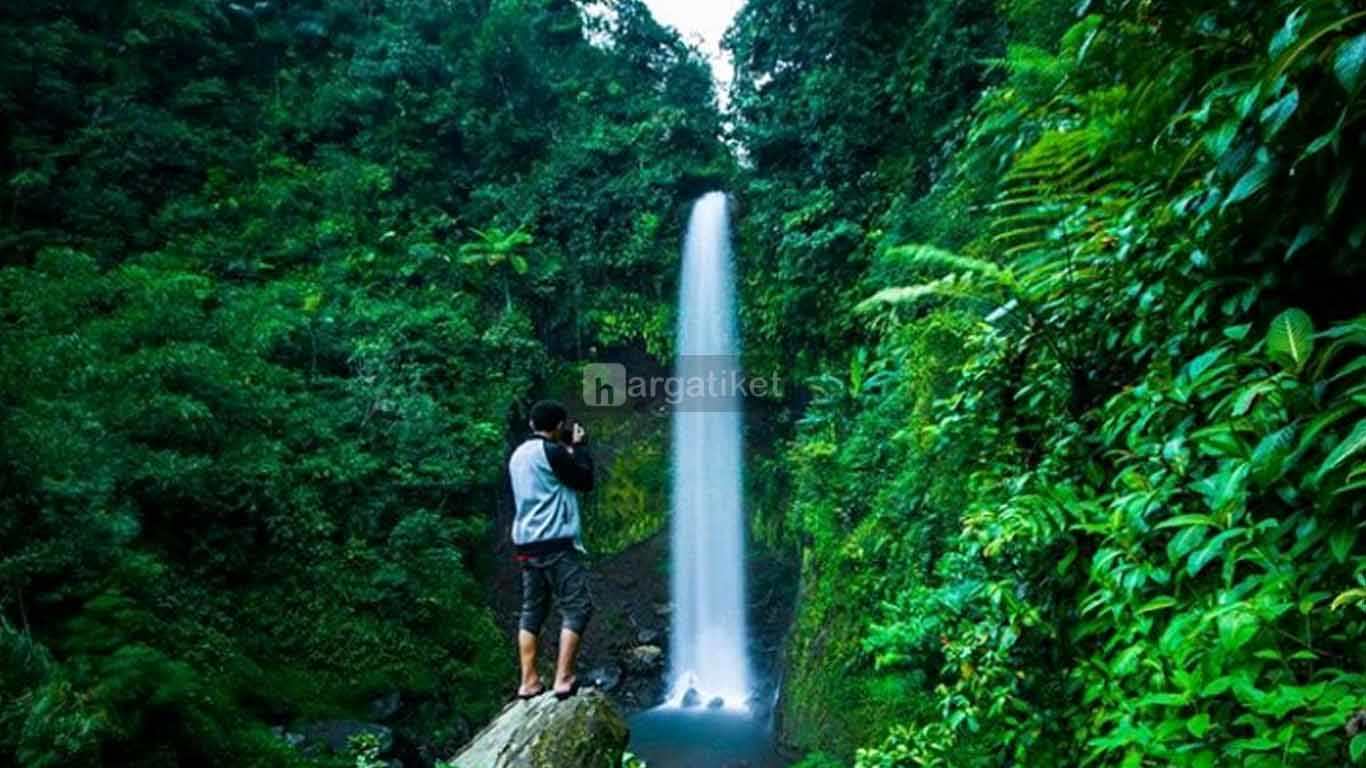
(277, 277)
(1122, 526)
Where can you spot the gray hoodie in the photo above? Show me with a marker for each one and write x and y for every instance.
(546, 478)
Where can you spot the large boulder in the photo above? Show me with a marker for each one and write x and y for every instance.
(583, 731)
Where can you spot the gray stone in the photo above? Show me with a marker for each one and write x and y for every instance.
(692, 698)
(644, 659)
(583, 731)
(240, 12)
(716, 703)
(386, 706)
(605, 677)
(288, 737)
(335, 735)
(311, 30)
(647, 636)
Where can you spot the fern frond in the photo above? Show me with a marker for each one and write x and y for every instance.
(1021, 232)
(1033, 199)
(953, 286)
(928, 255)
(1029, 247)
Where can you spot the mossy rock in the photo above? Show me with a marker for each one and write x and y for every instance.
(584, 731)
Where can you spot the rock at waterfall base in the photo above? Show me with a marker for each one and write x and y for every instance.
(605, 677)
(644, 659)
(334, 736)
(583, 731)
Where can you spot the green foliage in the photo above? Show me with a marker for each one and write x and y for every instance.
(631, 501)
(366, 748)
(843, 109)
(1242, 540)
(819, 760)
(277, 278)
(497, 249)
(1115, 520)
(1077, 476)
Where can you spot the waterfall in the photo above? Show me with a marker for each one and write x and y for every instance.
(710, 633)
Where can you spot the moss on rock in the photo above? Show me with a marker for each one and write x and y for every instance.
(585, 731)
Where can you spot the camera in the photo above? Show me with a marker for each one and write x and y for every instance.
(567, 433)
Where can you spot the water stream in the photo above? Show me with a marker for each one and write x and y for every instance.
(710, 718)
(710, 633)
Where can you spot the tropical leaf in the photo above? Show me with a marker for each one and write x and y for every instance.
(1332, 138)
(1349, 62)
(1290, 339)
(1268, 458)
(1252, 182)
(1288, 33)
(1198, 725)
(1275, 116)
(1289, 58)
(1345, 449)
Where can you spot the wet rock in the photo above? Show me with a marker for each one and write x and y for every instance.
(263, 10)
(240, 12)
(1356, 723)
(647, 637)
(335, 735)
(311, 30)
(692, 698)
(605, 677)
(663, 609)
(385, 706)
(644, 659)
(288, 737)
(584, 731)
(716, 703)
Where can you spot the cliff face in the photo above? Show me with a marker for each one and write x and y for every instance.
(585, 731)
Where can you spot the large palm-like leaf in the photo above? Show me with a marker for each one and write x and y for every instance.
(498, 248)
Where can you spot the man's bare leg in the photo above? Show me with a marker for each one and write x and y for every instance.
(526, 650)
(564, 665)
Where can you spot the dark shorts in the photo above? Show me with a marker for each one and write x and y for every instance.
(562, 575)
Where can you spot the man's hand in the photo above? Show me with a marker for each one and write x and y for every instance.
(579, 436)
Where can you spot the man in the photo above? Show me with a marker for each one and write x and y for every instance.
(548, 471)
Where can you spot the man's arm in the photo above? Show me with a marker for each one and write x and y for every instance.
(573, 466)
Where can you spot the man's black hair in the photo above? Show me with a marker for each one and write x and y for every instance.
(546, 415)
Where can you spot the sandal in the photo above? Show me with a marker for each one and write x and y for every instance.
(529, 696)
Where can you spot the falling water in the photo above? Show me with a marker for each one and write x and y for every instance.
(710, 632)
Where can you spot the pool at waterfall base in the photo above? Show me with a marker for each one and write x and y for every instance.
(670, 737)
